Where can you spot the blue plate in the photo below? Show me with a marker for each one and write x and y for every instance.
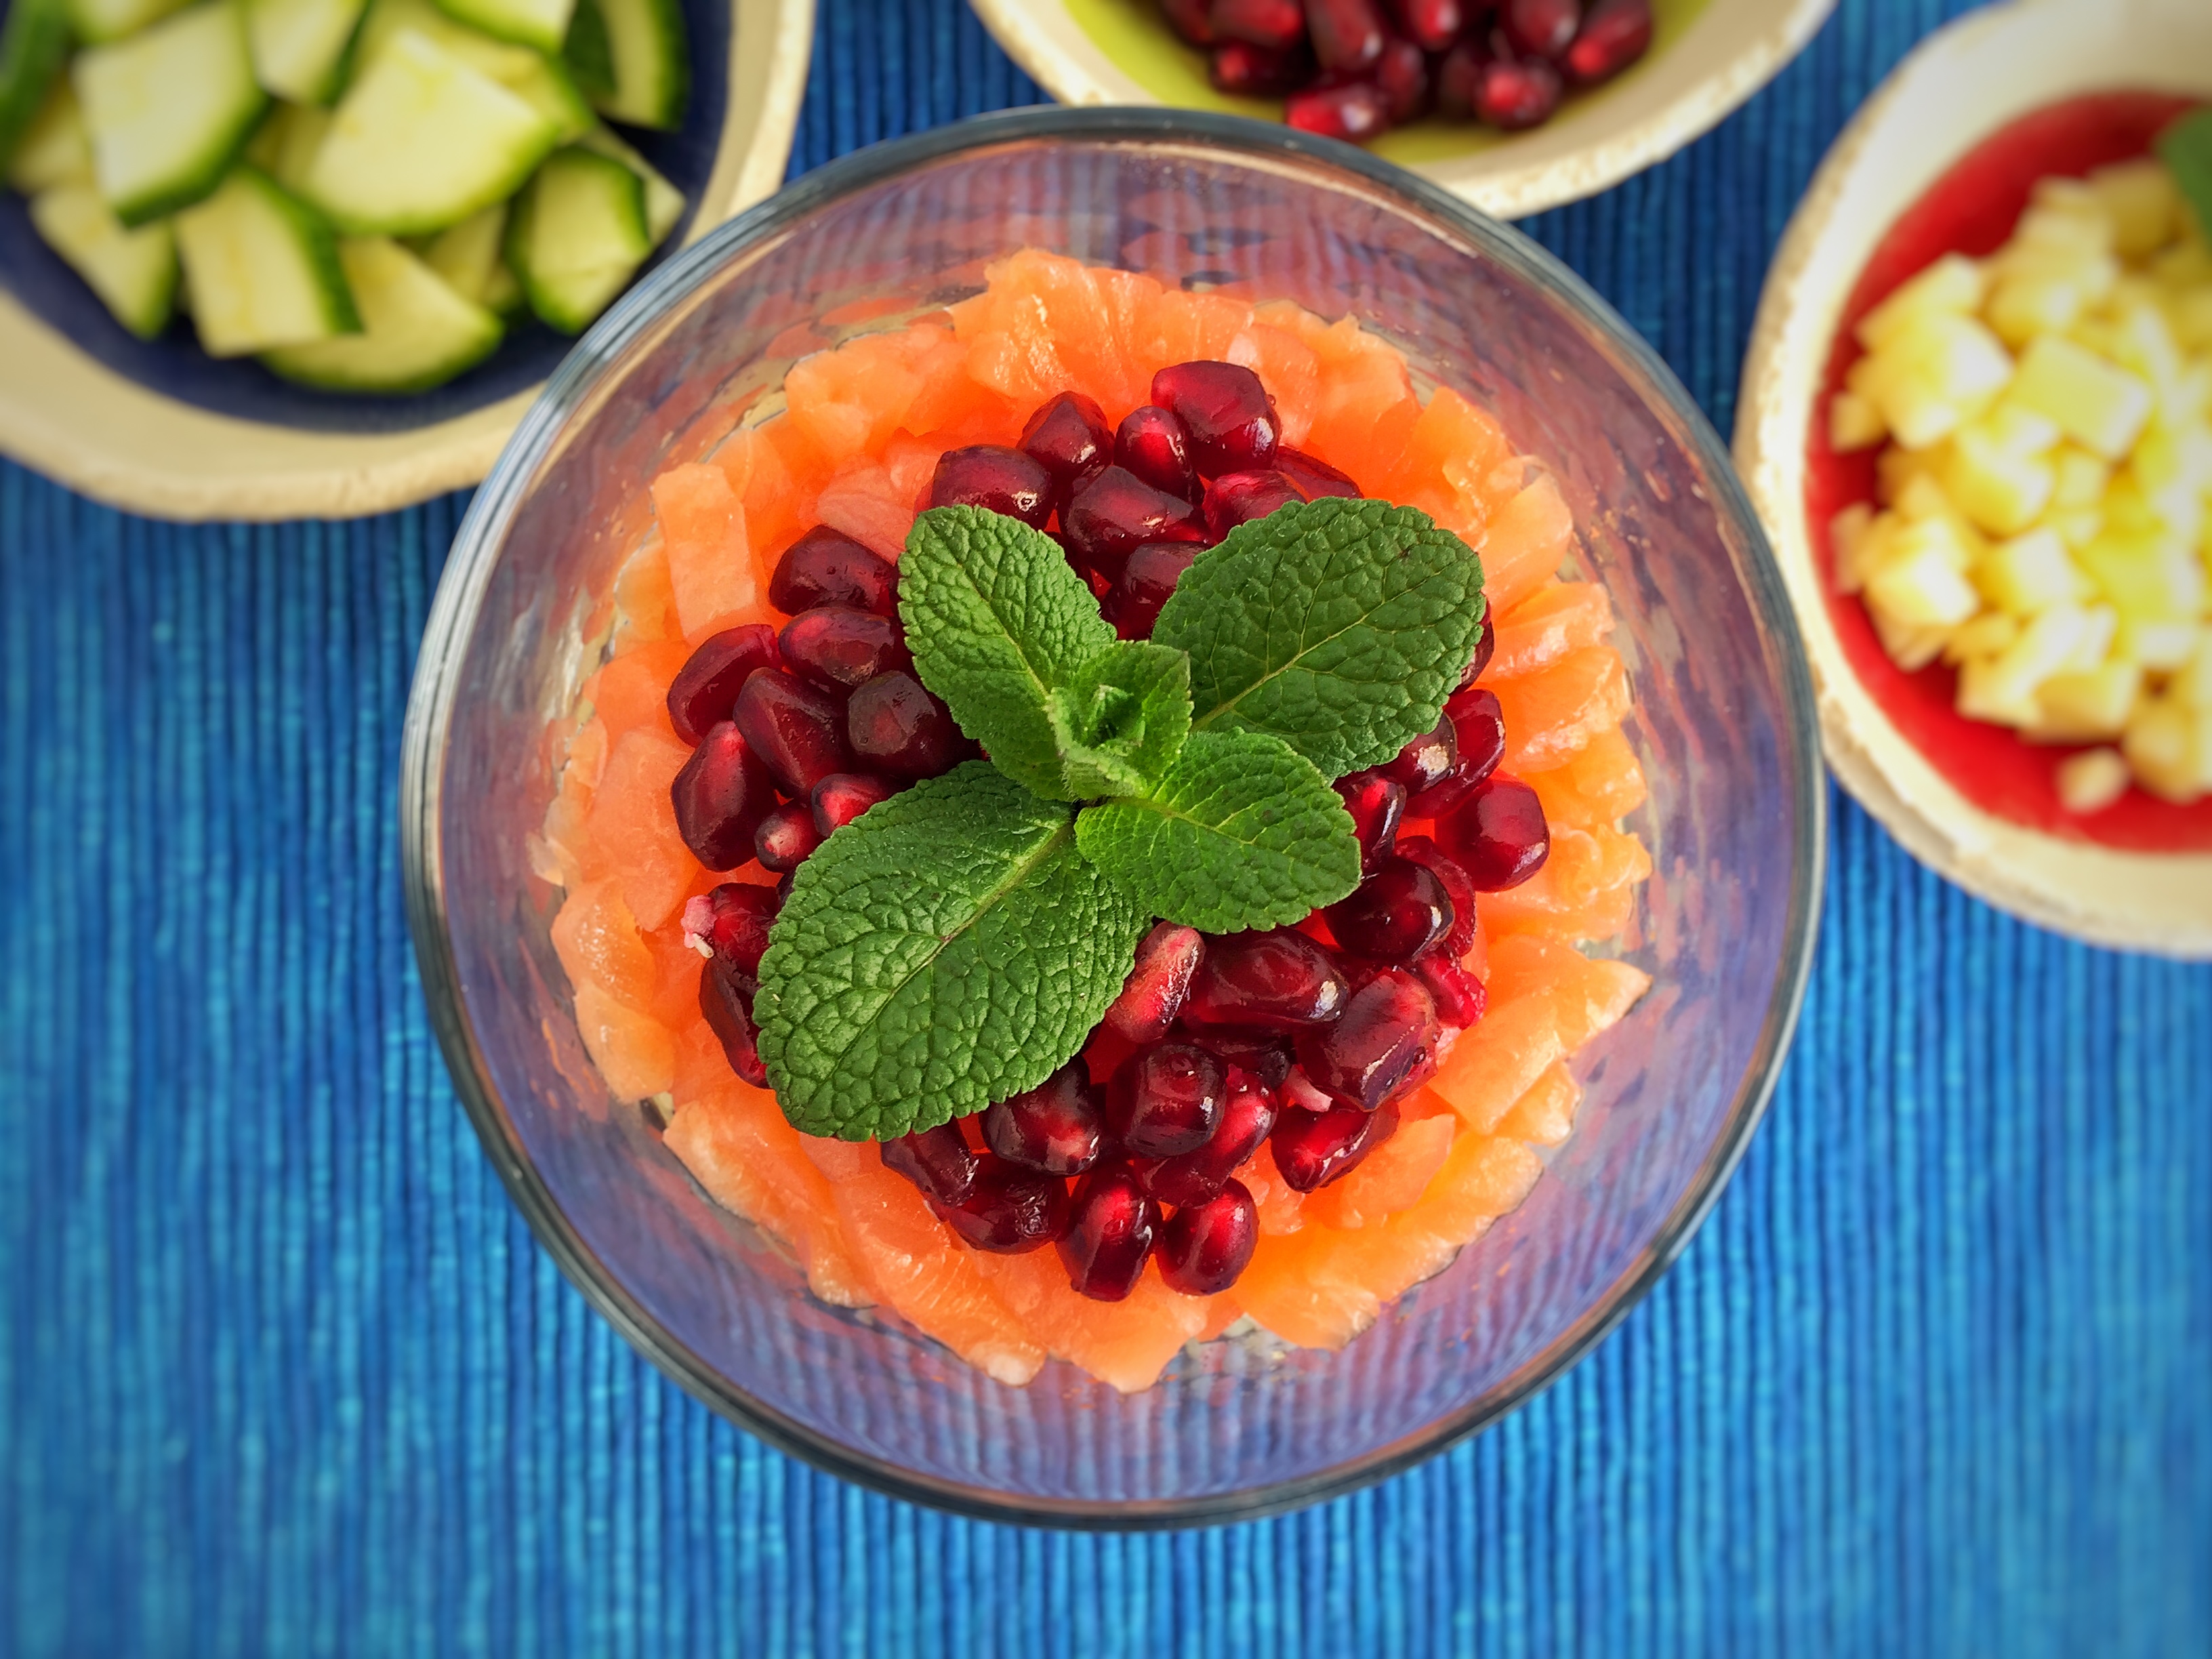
(175, 366)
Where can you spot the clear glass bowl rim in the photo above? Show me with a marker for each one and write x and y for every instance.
(468, 569)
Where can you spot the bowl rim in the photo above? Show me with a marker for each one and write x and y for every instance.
(1525, 172)
(429, 710)
(110, 436)
(2110, 896)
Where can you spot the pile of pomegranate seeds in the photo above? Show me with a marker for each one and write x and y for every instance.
(1305, 1039)
(1354, 69)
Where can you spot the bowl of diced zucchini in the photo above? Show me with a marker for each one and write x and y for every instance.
(268, 259)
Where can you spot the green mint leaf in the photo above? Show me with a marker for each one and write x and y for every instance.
(996, 619)
(1242, 832)
(1121, 719)
(945, 950)
(2185, 146)
(1340, 626)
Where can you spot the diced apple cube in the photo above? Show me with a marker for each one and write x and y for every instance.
(2077, 529)
(1999, 491)
(1918, 585)
(2143, 343)
(2153, 577)
(2026, 303)
(2140, 199)
(2030, 573)
(1895, 469)
(2087, 708)
(2192, 685)
(1847, 534)
(2160, 646)
(2003, 688)
(2080, 477)
(2092, 780)
(2017, 431)
(2065, 216)
(1952, 285)
(2169, 749)
(1985, 635)
(2191, 316)
(1947, 369)
(2174, 453)
(1854, 422)
(2102, 407)
(1910, 647)
(2100, 623)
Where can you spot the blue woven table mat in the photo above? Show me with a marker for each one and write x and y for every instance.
(283, 1372)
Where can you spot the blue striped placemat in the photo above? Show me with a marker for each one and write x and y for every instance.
(284, 1373)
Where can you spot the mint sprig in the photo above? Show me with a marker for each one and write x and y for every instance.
(959, 943)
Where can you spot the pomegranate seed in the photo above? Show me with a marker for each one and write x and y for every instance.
(1153, 993)
(706, 688)
(999, 479)
(1423, 851)
(1426, 760)
(936, 1160)
(1009, 1209)
(1615, 34)
(1277, 24)
(1146, 582)
(826, 567)
(1540, 27)
(1485, 647)
(1513, 94)
(1394, 915)
(1278, 981)
(1352, 111)
(786, 837)
(726, 1000)
(1402, 73)
(1228, 413)
(1459, 78)
(731, 923)
(1498, 833)
(1265, 1054)
(1314, 1148)
(1300, 1092)
(1053, 1128)
(1192, 20)
(1164, 1100)
(1251, 71)
(1248, 1113)
(1116, 513)
(838, 646)
(1347, 35)
(1068, 434)
(1433, 24)
(1460, 996)
(843, 796)
(1366, 1057)
(1479, 725)
(720, 797)
(1315, 478)
(1238, 498)
(1376, 802)
(1109, 1233)
(895, 726)
(1151, 443)
(1205, 1246)
(798, 729)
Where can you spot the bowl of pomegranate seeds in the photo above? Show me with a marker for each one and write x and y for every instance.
(1111, 821)
(1976, 416)
(1515, 104)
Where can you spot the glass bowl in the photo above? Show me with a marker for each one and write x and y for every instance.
(1723, 723)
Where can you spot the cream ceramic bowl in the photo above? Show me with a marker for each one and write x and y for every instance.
(1961, 85)
(160, 427)
(1706, 58)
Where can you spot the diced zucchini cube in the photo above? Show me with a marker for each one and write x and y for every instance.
(664, 202)
(134, 271)
(53, 149)
(264, 269)
(466, 257)
(540, 82)
(98, 22)
(421, 141)
(2100, 406)
(300, 45)
(577, 236)
(416, 332)
(168, 109)
(541, 25)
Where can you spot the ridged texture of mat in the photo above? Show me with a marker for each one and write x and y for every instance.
(283, 1372)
